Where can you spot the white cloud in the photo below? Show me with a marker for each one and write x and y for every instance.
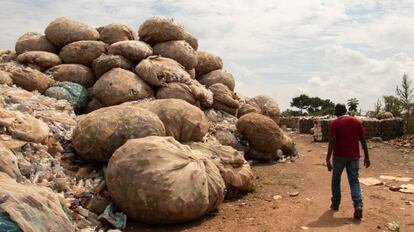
(353, 74)
(330, 48)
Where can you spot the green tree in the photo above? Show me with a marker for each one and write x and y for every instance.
(353, 104)
(405, 95)
(392, 104)
(302, 102)
(313, 105)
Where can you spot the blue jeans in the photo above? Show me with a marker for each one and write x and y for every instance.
(352, 170)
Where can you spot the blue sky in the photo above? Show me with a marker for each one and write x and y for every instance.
(333, 49)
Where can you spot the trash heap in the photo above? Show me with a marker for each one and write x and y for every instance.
(159, 135)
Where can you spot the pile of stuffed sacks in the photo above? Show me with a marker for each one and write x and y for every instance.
(103, 124)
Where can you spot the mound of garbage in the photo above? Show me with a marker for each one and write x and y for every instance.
(109, 123)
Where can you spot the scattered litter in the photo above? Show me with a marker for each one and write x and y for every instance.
(407, 188)
(393, 226)
(409, 203)
(277, 197)
(305, 228)
(294, 194)
(396, 178)
(118, 220)
(404, 179)
(387, 177)
(370, 181)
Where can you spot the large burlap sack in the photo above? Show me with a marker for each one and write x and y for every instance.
(32, 41)
(116, 32)
(33, 208)
(182, 120)
(5, 78)
(177, 91)
(104, 63)
(235, 170)
(63, 31)
(384, 115)
(8, 163)
(27, 78)
(224, 98)
(248, 108)
(268, 107)
(263, 105)
(7, 56)
(227, 138)
(82, 52)
(24, 126)
(157, 29)
(99, 133)
(218, 76)
(93, 105)
(207, 62)
(74, 93)
(178, 50)
(77, 73)
(119, 85)
(192, 73)
(39, 60)
(133, 50)
(263, 134)
(157, 180)
(191, 39)
(157, 70)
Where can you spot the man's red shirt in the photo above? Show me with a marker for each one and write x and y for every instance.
(346, 130)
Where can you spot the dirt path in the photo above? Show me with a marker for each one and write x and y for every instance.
(259, 211)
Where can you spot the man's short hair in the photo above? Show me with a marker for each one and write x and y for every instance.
(340, 109)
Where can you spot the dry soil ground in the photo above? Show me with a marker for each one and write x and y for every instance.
(307, 175)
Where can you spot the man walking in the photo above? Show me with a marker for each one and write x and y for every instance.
(344, 134)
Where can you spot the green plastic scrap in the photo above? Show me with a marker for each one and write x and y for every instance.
(6, 224)
(393, 226)
(67, 213)
(118, 219)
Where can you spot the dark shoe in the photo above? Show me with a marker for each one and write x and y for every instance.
(334, 208)
(358, 213)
